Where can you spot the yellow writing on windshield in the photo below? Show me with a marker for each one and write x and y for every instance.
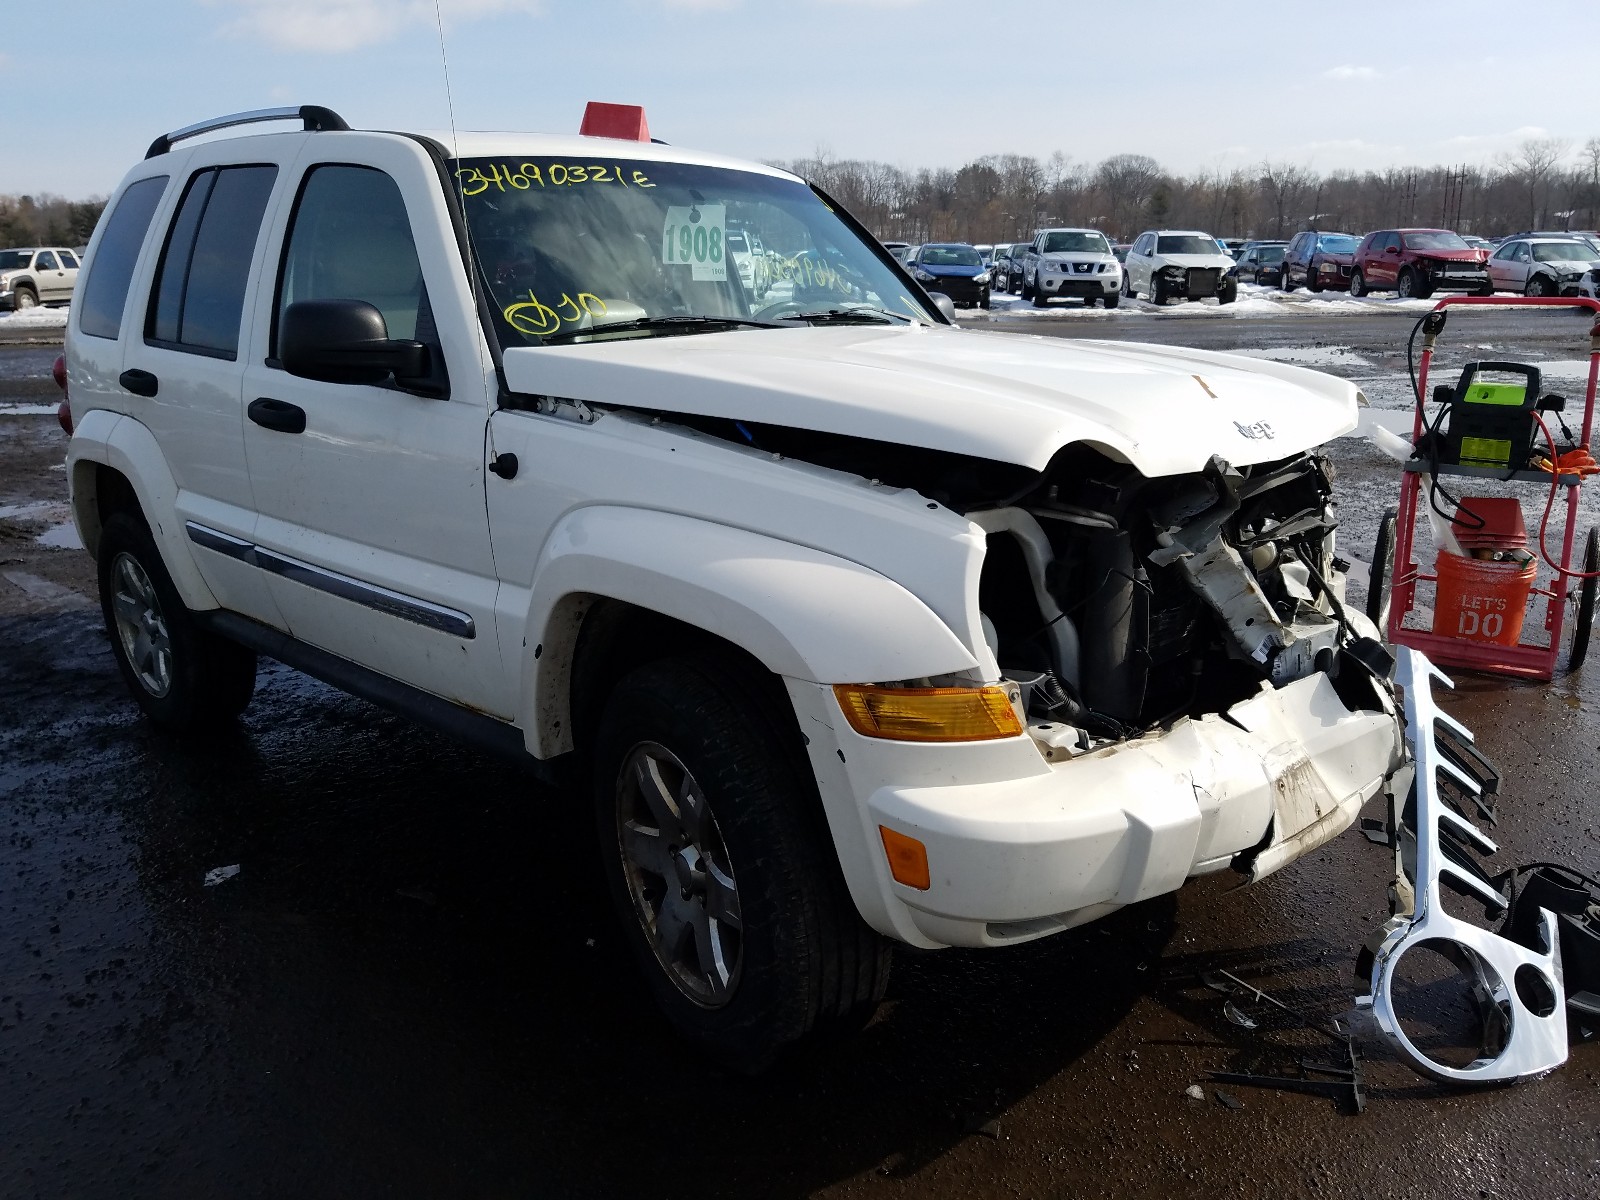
(522, 176)
(538, 319)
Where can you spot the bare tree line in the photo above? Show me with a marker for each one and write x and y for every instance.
(1004, 197)
(47, 220)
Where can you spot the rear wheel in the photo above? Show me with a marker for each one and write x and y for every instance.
(181, 676)
(1583, 619)
(1358, 284)
(718, 862)
(1380, 582)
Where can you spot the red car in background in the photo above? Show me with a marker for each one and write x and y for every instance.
(1417, 263)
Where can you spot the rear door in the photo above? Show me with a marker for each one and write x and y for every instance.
(182, 366)
(373, 528)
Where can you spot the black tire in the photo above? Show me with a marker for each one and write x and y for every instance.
(204, 681)
(1111, 299)
(1040, 299)
(24, 297)
(1407, 286)
(804, 962)
(1313, 278)
(1158, 294)
(1583, 619)
(1539, 286)
(1013, 285)
(1027, 291)
(1088, 301)
(1358, 283)
(1380, 583)
(983, 301)
(1286, 283)
(1127, 284)
(1228, 293)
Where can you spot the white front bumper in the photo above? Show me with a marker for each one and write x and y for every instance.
(1019, 847)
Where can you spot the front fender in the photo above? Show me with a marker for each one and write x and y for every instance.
(802, 613)
(125, 445)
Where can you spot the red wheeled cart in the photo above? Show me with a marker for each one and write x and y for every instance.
(1392, 593)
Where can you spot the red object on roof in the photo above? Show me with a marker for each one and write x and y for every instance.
(625, 121)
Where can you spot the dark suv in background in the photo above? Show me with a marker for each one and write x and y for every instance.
(1417, 263)
(1007, 266)
(1319, 260)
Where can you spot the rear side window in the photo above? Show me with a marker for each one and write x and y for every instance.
(350, 239)
(102, 298)
(197, 303)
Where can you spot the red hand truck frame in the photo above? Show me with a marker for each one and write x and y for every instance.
(1402, 574)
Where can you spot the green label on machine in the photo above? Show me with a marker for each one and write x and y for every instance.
(1485, 452)
(1511, 395)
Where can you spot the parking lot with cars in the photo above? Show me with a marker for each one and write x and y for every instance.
(220, 947)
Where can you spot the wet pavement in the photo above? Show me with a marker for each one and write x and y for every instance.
(412, 986)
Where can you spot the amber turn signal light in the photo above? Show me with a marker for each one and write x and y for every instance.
(908, 859)
(929, 714)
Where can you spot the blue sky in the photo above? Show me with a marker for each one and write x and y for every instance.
(914, 82)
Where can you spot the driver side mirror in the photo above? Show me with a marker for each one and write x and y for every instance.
(1391, 249)
(346, 341)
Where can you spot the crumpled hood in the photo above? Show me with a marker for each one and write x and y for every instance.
(1219, 260)
(1012, 398)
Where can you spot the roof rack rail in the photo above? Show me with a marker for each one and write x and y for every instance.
(314, 115)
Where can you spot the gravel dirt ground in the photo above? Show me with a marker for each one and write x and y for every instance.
(411, 986)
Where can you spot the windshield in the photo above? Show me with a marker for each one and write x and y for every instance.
(949, 256)
(1562, 252)
(10, 260)
(566, 245)
(1068, 242)
(1338, 243)
(1187, 243)
(1439, 239)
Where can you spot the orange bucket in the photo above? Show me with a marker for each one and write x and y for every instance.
(1481, 601)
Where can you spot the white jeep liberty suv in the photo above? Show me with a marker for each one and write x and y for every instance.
(857, 627)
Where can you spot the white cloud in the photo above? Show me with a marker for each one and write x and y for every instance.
(1347, 72)
(335, 26)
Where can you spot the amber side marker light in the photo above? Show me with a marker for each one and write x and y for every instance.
(908, 859)
(928, 714)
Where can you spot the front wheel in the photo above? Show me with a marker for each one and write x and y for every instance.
(1111, 299)
(1583, 623)
(1358, 284)
(1539, 286)
(1406, 286)
(1228, 293)
(1285, 282)
(1380, 581)
(23, 298)
(719, 864)
(1158, 294)
(181, 676)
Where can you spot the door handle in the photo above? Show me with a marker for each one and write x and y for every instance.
(277, 414)
(140, 383)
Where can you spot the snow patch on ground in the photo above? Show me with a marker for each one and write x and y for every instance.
(27, 410)
(1307, 356)
(35, 318)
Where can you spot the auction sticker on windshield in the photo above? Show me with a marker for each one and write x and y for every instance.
(696, 234)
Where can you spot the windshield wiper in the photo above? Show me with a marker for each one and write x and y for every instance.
(839, 316)
(677, 323)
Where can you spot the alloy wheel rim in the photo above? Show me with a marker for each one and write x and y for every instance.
(141, 627)
(679, 875)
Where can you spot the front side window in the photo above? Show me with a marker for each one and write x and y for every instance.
(1522, 254)
(104, 294)
(350, 239)
(46, 262)
(567, 246)
(197, 302)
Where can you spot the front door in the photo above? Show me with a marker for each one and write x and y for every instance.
(373, 526)
(51, 276)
